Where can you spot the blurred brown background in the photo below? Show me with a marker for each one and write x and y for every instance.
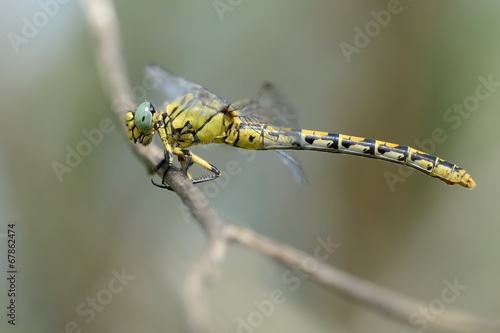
(75, 230)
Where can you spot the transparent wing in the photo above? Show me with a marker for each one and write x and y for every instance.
(292, 164)
(269, 105)
(171, 86)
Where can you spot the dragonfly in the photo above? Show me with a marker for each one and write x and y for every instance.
(193, 115)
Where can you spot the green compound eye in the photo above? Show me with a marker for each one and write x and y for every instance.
(144, 116)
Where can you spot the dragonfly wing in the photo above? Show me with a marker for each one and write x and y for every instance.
(171, 86)
(293, 166)
(269, 105)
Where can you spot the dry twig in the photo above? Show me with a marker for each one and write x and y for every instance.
(103, 23)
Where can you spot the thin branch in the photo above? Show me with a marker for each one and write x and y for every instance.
(382, 300)
(103, 23)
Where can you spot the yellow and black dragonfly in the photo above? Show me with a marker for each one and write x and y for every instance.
(194, 115)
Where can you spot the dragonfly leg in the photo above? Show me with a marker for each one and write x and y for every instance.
(195, 159)
(158, 167)
(187, 159)
(165, 164)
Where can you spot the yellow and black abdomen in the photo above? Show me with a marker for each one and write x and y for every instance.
(262, 136)
(432, 165)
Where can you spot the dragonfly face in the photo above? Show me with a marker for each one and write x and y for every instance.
(140, 124)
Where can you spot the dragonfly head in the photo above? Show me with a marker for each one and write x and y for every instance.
(140, 124)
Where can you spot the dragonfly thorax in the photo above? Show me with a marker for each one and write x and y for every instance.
(190, 120)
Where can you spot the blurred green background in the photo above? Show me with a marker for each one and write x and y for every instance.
(74, 231)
